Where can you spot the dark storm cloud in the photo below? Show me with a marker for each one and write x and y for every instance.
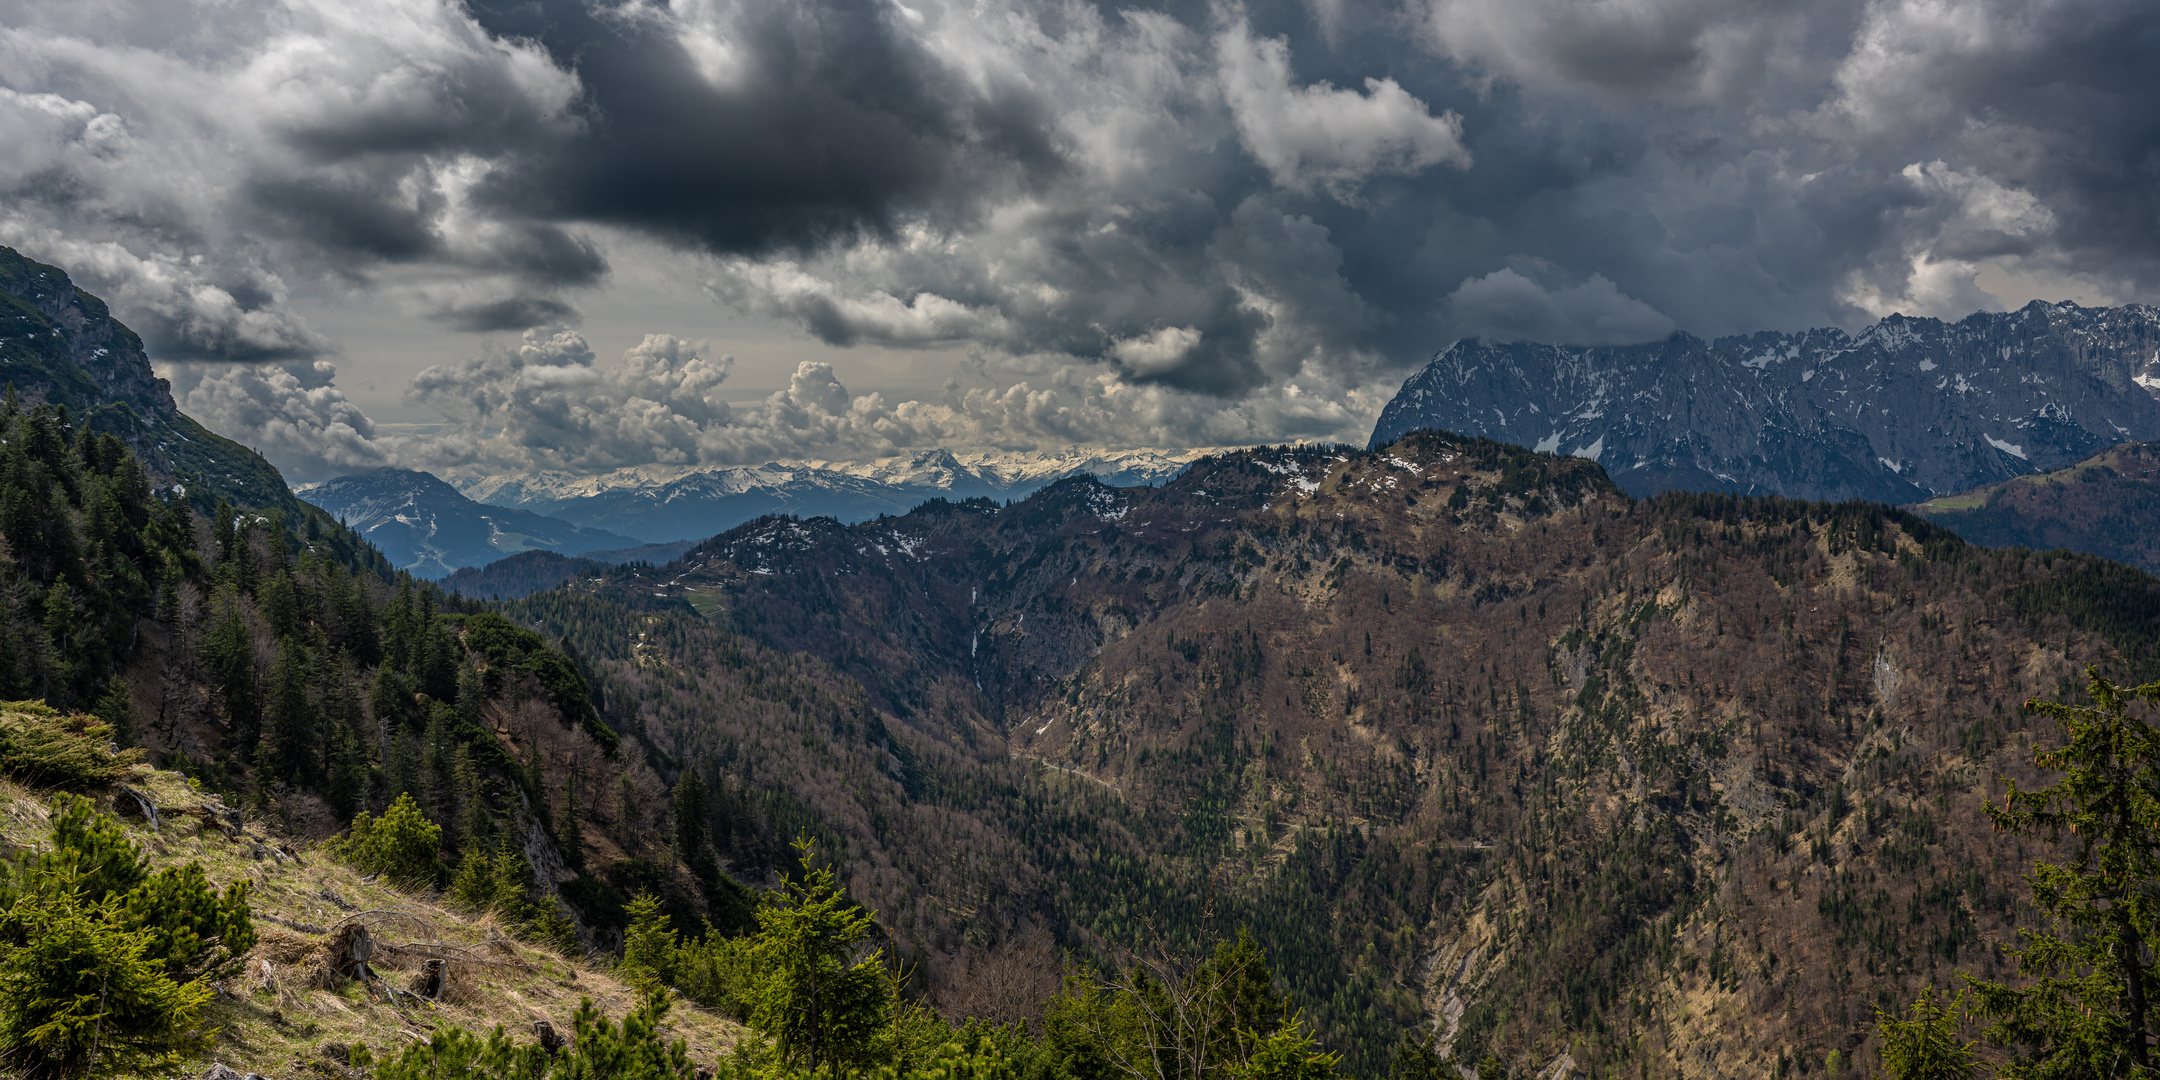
(823, 122)
(514, 314)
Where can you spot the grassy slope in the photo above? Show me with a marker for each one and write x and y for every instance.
(275, 1019)
(2107, 505)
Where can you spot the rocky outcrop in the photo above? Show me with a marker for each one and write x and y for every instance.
(1907, 409)
(61, 346)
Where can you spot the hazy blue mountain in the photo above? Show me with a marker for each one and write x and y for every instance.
(425, 526)
(660, 502)
(1905, 410)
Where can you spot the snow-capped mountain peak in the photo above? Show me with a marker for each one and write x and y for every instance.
(672, 502)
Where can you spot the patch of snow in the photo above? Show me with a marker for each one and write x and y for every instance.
(2012, 449)
(1549, 444)
(1591, 451)
(1928, 365)
(1890, 465)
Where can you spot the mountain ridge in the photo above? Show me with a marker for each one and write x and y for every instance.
(1474, 742)
(660, 503)
(1905, 410)
(61, 346)
(430, 529)
(2106, 505)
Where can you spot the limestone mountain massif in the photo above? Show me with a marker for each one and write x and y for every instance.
(1903, 411)
(61, 346)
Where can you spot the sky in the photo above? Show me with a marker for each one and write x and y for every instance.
(518, 235)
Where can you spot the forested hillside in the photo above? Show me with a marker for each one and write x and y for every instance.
(2107, 505)
(1495, 764)
(1463, 734)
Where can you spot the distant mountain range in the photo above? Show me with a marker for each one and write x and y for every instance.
(658, 503)
(1906, 410)
(426, 527)
(2107, 505)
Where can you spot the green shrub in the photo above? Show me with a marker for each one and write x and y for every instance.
(92, 851)
(194, 930)
(502, 883)
(599, 1051)
(81, 996)
(404, 846)
(717, 972)
(650, 951)
(42, 746)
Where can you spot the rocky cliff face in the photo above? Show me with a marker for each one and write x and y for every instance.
(61, 346)
(1907, 409)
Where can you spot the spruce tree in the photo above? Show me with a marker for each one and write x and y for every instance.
(573, 823)
(288, 749)
(691, 823)
(820, 1003)
(2088, 1009)
(228, 656)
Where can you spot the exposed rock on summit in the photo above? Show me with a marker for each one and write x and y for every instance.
(1908, 409)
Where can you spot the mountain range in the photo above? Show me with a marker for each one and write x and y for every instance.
(1478, 748)
(426, 528)
(1906, 410)
(1476, 745)
(658, 503)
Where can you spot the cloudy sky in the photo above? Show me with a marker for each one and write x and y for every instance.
(582, 234)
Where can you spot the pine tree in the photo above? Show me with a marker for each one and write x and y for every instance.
(818, 1001)
(403, 845)
(390, 699)
(2089, 1010)
(629, 815)
(572, 827)
(437, 762)
(650, 948)
(691, 817)
(228, 655)
(291, 735)
(281, 605)
(1926, 1047)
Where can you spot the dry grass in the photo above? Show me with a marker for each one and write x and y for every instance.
(289, 1002)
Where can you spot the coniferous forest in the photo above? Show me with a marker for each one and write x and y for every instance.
(1442, 758)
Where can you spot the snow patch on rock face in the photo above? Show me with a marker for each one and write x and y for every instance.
(2010, 448)
(1894, 414)
(1592, 451)
(662, 502)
